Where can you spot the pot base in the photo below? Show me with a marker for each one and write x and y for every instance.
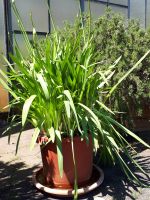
(95, 181)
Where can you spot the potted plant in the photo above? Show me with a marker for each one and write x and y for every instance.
(60, 91)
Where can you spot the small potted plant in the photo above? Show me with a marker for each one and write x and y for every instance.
(60, 91)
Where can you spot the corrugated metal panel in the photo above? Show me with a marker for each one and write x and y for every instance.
(38, 8)
(97, 8)
(148, 14)
(138, 11)
(65, 10)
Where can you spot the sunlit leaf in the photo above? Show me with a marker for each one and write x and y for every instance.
(26, 108)
(59, 152)
(34, 138)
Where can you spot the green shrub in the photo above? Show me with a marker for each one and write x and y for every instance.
(114, 37)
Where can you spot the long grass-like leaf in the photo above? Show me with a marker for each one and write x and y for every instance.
(43, 85)
(128, 131)
(67, 106)
(18, 140)
(34, 138)
(21, 26)
(75, 168)
(68, 95)
(59, 152)
(105, 107)
(5, 76)
(95, 118)
(5, 85)
(26, 108)
(127, 74)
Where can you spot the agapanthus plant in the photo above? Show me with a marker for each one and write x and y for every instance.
(62, 93)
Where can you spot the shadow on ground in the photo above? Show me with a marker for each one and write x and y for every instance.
(16, 183)
(6, 130)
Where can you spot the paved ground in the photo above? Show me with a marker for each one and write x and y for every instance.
(16, 174)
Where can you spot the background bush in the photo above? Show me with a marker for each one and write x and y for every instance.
(113, 37)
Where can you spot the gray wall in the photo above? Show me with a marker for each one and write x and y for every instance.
(66, 10)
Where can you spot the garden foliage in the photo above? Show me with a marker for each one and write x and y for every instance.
(113, 37)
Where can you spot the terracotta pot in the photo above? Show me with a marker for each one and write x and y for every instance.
(84, 161)
(4, 99)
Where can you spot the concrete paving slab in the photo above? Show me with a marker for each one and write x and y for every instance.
(16, 174)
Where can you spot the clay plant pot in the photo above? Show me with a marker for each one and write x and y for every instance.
(84, 161)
